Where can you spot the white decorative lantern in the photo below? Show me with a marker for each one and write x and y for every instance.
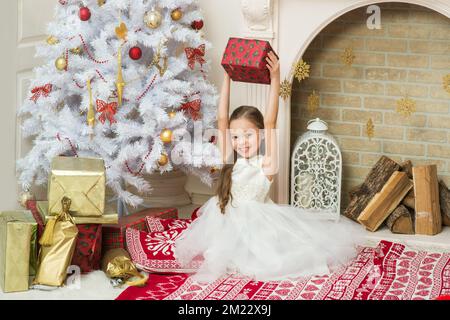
(316, 172)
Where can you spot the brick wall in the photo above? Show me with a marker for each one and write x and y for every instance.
(409, 55)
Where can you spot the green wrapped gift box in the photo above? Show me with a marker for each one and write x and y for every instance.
(18, 250)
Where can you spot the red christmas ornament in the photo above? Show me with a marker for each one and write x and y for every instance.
(135, 53)
(195, 55)
(193, 109)
(107, 111)
(41, 91)
(197, 24)
(85, 14)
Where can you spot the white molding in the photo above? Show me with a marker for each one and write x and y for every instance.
(258, 17)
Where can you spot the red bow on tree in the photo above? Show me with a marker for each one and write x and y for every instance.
(193, 108)
(41, 91)
(107, 110)
(195, 55)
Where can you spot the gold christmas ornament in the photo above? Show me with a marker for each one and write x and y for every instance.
(166, 136)
(370, 129)
(77, 50)
(313, 102)
(447, 83)
(51, 40)
(25, 197)
(301, 70)
(153, 19)
(101, 2)
(122, 31)
(157, 58)
(285, 89)
(172, 114)
(91, 110)
(120, 83)
(406, 106)
(61, 63)
(176, 14)
(163, 160)
(348, 57)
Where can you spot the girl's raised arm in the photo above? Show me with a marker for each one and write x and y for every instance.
(223, 119)
(270, 161)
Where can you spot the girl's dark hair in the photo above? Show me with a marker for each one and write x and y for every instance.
(223, 190)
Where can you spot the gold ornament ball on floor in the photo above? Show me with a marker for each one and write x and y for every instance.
(176, 14)
(163, 160)
(61, 63)
(166, 136)
(153, 19)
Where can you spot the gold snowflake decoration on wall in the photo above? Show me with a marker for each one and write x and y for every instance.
(447, 83)
(301, 70)
(370, 129)
(313, 102)
(348, 57)
(406, 106)
(285, 89)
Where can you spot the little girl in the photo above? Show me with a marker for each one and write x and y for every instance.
(240, 229)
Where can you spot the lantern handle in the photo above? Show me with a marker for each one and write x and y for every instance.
(318, 120)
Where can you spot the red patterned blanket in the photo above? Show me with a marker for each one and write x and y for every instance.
(388, 272)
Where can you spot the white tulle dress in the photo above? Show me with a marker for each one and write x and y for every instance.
(258, 238)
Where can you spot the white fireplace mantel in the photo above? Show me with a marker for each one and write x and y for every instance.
(291, 25)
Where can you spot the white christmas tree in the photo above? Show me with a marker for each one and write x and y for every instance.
(125, 81)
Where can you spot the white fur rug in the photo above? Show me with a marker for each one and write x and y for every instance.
(93, 286)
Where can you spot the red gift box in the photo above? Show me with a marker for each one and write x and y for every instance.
(114, 235)
(245, 60)
(88, 251)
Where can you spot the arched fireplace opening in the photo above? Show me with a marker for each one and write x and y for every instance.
(382, 91)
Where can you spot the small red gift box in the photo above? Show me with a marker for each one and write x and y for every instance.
(245, 60)
(88, 251)
(114, 235)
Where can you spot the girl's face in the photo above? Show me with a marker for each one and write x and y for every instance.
(244, 137)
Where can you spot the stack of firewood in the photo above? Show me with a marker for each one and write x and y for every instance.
(408, 199)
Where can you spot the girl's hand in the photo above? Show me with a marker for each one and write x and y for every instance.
(273, 65)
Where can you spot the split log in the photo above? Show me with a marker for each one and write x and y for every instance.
(385, 201)
(410, 200)
(373, 183)
(355, 191)
(401, 221)
(444, 201)
(407, 168)
(426, 192)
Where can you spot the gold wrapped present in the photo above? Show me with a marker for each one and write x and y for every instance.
(109, 217)
(117, 265)
(57, 247)
(80, 179)
(17, 250)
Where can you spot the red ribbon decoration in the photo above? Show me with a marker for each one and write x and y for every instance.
(193, 108)
(107, 110)
(41, 91)
(195, 55)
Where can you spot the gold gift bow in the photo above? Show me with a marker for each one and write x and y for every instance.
(47, 237)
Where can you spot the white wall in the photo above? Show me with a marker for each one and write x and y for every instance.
(223, 19)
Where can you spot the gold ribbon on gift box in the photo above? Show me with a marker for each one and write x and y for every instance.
(80, 179)
(18, 255)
